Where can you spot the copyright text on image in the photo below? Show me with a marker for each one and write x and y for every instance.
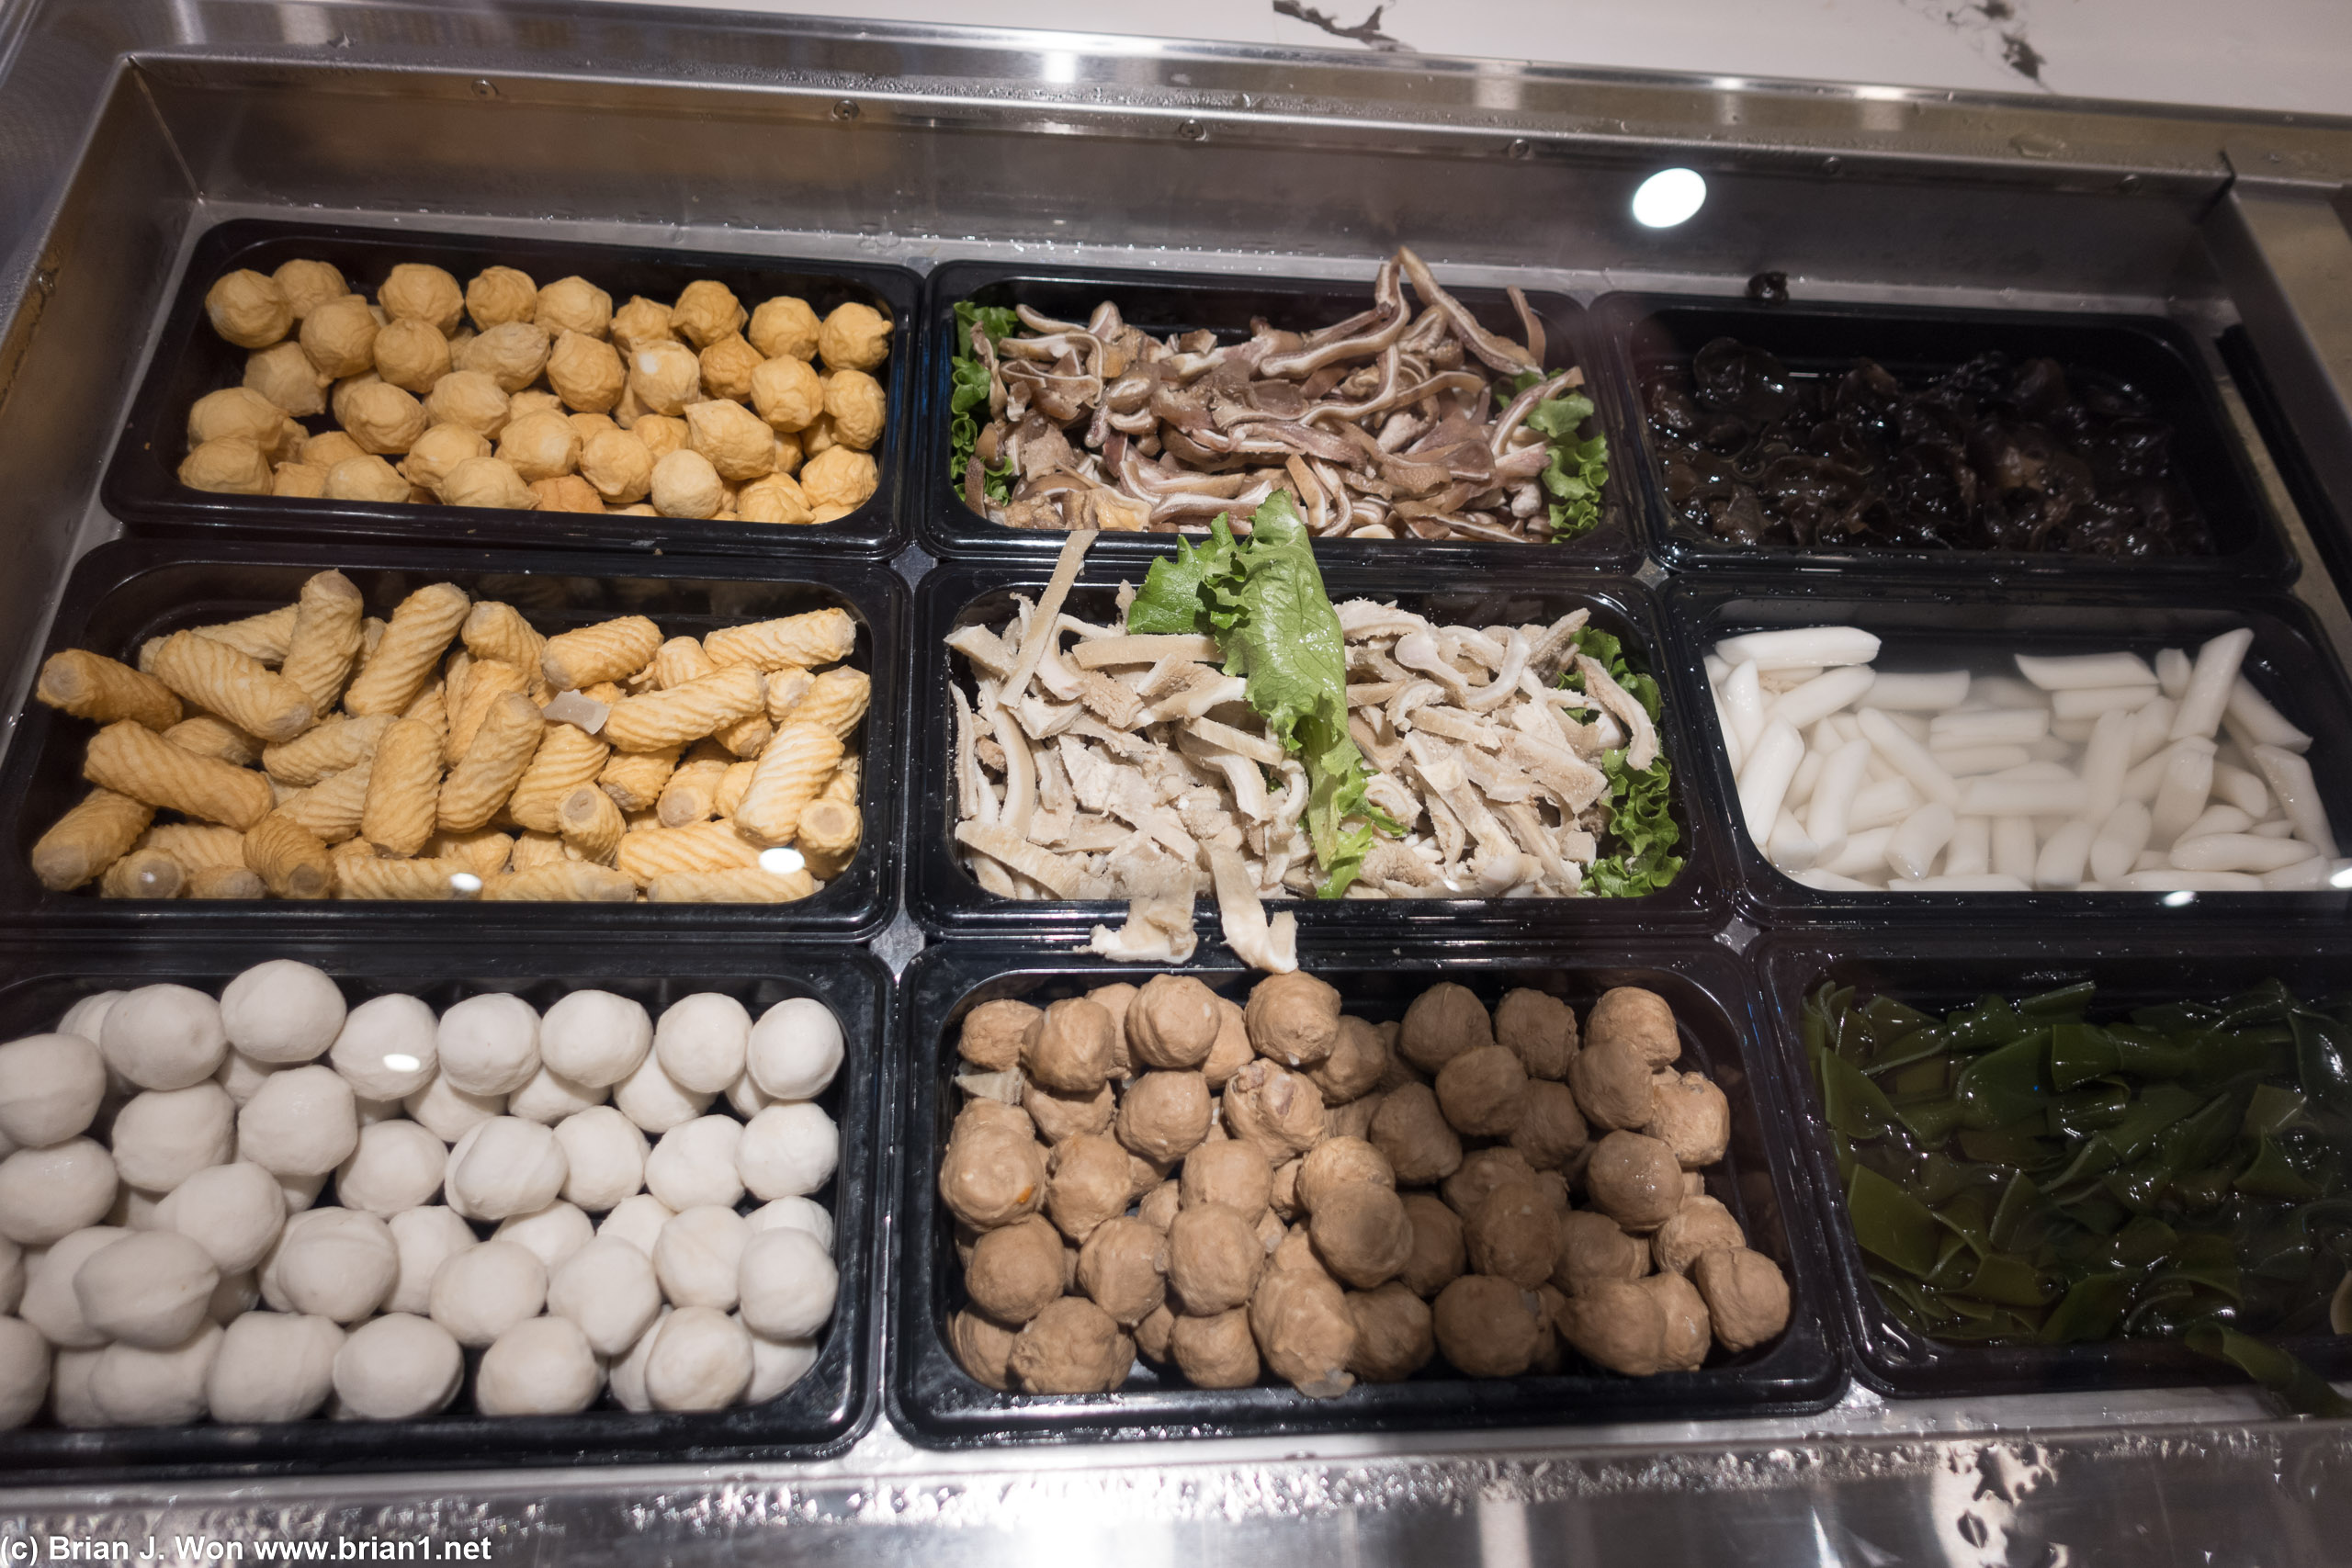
(26, 1550)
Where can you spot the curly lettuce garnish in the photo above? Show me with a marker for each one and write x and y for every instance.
(967, 396)
(1579, 468)
(1640, 820)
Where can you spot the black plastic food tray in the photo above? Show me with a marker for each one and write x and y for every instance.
(1980, 627)
(936, 1402)
(2156, 356)
(121, 593)
(1163, 302)
(818, 1416)
(945, 896)
(142, 484)
(1953, 967)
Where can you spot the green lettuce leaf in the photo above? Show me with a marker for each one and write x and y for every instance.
(1175, 597)
(1642, 830)
(967, 395)
(1578, 468)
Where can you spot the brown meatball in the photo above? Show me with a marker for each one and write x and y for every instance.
(1361, 1234)
(1164, 1116)
(1124, 1267)
(1271, 1232)
(1746, 1296)
(994, 1114)
(1540, 1030)
(1172, 1023)
(1358, 1061)
(1144, 1174)
(982, 1348)
(1393, 1339)
(1296, 1249)
(1352, 1119)
(1485, 1327)
(1282, 1194)
(1154, 1333)
(1116, 1000)
(992, 1178)
(1072, 1347)
(1687, 1333)
(1438, 1255)
(1514, 1234)
(1638, 1018)
(1230, 1173)
(1611, 1082)
(1158, 1207)
(994, 1032)
(1215, 1351)
(1594, 1250)
(1701, 1225)
(1338, 1162)
(1294, 1018)
(1483, 1171)
(1443, 1022)
(1305, 1329)
(1551, 1134)
(1280, 1111)
(1015, 1270)
(1060, 1116)
(1691, 1117)
(1412, 1132)
(1483, 1092)
(1633, 1179)
(1400, 1072)
(1089, 1184)
(1067, 1047)
(1231, 1052)
(1617, 1326)
(1549, 1355)
(1213, 1260)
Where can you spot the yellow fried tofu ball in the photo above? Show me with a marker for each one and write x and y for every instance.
(841, 477)
(787, 454)
(788, 393)
(640, 323)
(685, 485)
(575, 305)
(340, 336)
(366, 478)
(662, 433)
(470, 398)
(302, 481)
(732, 437)
(587, 372)
(774, 499)
(539, 446)
(440, 449)
(486, 481)
(727, 368)
(501, 294)
(511, 354)
(412, 355)
(665, 376)
(591, 425)
(567, 493)
(284, 373)
(854, 337)
(229, 465)
(617, 464)
(416, 291)
(324, 452)
(237, 411)
(784, 328)
(310, 284)
(380, 417)
(854, 402)
(818, 437)
(705, 312)
(248, 307)
(531, 400)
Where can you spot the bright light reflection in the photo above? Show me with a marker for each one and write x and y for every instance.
(2180, 898)
(781, 863)
(402, 1062)
(1669, 197)
(465, 882)
(2343, 877)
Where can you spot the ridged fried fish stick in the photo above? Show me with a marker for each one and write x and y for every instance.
(745, 885)
(687, 712)
(324, 648)
(288, 858)
(565, 882)
(499, 758)
(606, 652)
(568, 758)
(92, 686)
(791, 772)
(216, 677)
(404, 790)
(820, 636)
(337, 744)
(420, 631)
(99, 830)
(130, 759)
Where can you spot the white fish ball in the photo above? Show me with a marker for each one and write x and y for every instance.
(336, 1263)
(165, 1037)
(12, 1276)
(604, 1157)
(397, 1167)
(795, 1049)
(695, 1163)
(629, 1372)
(637, 1221)
(133, 1386)
(549, 1096)
(540, 1367)
(70, 1399)
(164, 1136)
(51, 1303)
(610, 1290)
(506, 1165)
(425, 1237)
(397, 1368)
(699, 1257)
(24, 1371)
(301, 1122)
(488, 1288)
(282, 1011)
(777, 1365)
(273, 1366)
(49, 1089)
(701, 1359)
(596, 1038)
(235, 1296)
(787, 1284)
(301, 1191)
(788, 1151)
(489, 1043)
(747, 1099)
(800, 1214)
(88, 1018)
(702, 1039)
(148, 1289)
(654, 1101)
(388, 1048)
(450, 1113)
(233, 1211)
(49, 1193)
(241, 1076)
(552, 1234)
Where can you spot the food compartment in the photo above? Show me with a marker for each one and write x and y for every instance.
(1983, 631)
(2283, 1267)
(122, 594)
(142, 484)
(1164, 304)
(944, 894)
(818, 1416)
(933, 1399)
(2133, 429)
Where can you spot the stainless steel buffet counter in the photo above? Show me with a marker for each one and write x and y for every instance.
(127, 131)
